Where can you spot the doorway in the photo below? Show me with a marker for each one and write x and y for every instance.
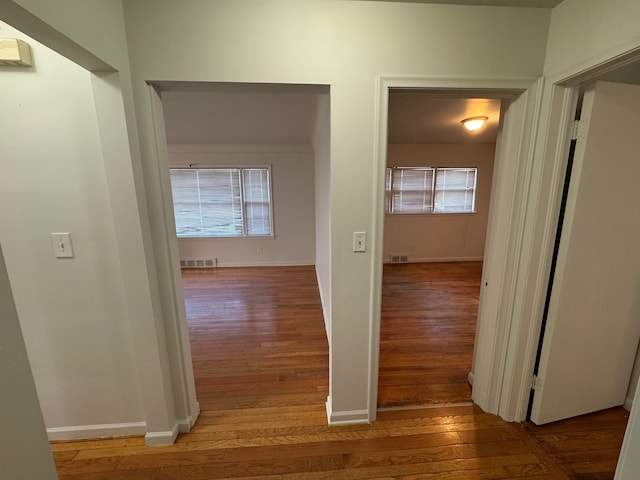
(245, 162)
(438, 189)
(593, 292)
(504, 238)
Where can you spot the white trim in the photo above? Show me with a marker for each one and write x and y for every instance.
(605, 61)
(240, 148)
(325, 311)
(533, 273)
(348, 417)
(131, 429)
(628, 403)
(435, 260)
(493, 347)
(160, 439)
(108, 430)
(176, 331)
(512, 385)
(185, 425)
(470, 378)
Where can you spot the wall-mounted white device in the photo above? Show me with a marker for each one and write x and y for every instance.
(61, 243)
(14, 53)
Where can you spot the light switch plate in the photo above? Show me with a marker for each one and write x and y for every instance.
(61, 243)
(359, 241)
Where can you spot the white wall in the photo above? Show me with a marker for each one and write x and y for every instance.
(24, 448)
(152, 287)
(72, 311)
(345, 44)
(292, 177)
(322, 163)
(585, 32)
(443, 237)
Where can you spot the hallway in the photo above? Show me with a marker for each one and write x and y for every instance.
(261, 367)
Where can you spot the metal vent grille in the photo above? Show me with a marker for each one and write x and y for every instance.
(398, 258)
(199, 263)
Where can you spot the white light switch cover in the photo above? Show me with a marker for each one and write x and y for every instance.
(61, 243)
(359, 241)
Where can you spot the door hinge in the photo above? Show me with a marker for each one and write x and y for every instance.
(535, 382)
(573, 129)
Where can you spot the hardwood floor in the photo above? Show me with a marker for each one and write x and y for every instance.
(427, 332)
(261, 368)
(257, 337)
(585, 447)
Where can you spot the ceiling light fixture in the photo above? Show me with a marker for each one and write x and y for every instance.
(474, 123)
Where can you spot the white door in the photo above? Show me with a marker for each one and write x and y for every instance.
(593, 326)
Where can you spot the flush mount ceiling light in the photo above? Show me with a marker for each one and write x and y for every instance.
(474, 123)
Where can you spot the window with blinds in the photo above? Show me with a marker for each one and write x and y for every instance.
(427, 190)
(222, 202)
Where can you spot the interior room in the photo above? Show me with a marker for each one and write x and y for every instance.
(96, 362)
(251, 292)
(433, 257)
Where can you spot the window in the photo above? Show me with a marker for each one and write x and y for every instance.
(222, 202)
(425, 190)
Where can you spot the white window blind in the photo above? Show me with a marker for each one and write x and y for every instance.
(221, 202)
(257, 201)
(426, 190)
(455, 190)
(411, 190)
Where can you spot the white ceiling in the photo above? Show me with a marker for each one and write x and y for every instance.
(415, 117)
(239, 117)
(197, 113)
(497, 3)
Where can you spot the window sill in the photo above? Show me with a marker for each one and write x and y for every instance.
(437, 215)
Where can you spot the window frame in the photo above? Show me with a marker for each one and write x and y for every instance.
(389, 193)
(243, 206)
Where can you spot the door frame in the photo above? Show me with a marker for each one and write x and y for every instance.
(559, 104)
(498, 381)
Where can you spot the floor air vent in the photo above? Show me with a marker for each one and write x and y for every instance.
(399, 258)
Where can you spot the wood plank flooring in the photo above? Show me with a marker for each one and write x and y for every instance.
(257, 337)
(261, 367)
(427, 332)
(585, 447)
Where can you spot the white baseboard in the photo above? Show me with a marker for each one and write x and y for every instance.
(160, 439)
(84, 432)
(438, 259)
(349, 417)
(628, 403)
(470, 378)
(132, 429)
(185, 426)
(325, 311)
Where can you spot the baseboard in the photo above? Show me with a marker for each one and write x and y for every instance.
(325, 311)
(470, 378)
(292, 263)
(349, 417)
(185, 426)
(159, 439)
(628, 403)
(84, 432)
(438, 259)
(112, 430)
